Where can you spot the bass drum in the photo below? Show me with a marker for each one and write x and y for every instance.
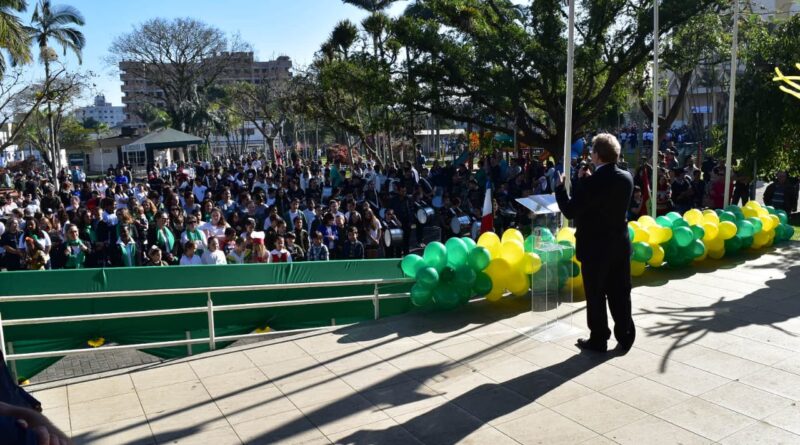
(460, 224)
(393, 237)
(425, 215)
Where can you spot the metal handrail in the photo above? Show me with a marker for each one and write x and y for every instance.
(210, 309)
(200, 290)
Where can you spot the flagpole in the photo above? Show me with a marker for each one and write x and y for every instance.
(567, 160)
(654, 184)
(732, 101)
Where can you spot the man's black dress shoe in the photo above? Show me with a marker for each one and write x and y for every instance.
(589, 345)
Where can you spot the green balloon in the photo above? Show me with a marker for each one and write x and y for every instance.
(435, 255)
(546, 235)
(464, 293)
(630, 232)
(757, 224)
(727, 216)
(745, 228)
(447, 275)
(576, 269)
(642, 252)
(567, 250)
(782, 216)
(736, 211)
(529, 243)
(679, 223)
(479, 258)
(411, 264)
(465, 275)
(788, 232)
(683, 236)
(673, 216)
(698, 248)
(747, 241)
(663, 221)
(421, 296)
(456, 252)
(733, 245)
(483, 284)
(445, 297)
(428, 277)
(698, 232)
(469, 242)
(770, 209)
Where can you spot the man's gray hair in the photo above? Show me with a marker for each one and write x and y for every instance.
(607, 147)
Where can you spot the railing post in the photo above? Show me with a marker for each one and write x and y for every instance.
(188, 346)
(211, 336)
(2, 340)
(376, 302)
(10, 349)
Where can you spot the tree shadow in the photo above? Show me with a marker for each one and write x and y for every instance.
(768, 306)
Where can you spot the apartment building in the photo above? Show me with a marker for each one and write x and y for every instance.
(240, 67)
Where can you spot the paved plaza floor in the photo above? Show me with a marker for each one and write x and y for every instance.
(717, 360)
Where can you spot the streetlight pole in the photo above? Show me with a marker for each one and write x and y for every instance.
(570, 91)
(654, 184)
(732, 101)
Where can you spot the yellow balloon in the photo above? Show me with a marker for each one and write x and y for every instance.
(760, 239)
(647, 221)
(512, 251)
(657, 260)
(753, 205)
(640, 235)
(566, 234)
(715, 244)
(710, 217)
(761, 211)
(766, 223)
(491, 242)
(749, 212)
(637, 268)
(666, 234)
(727, 230)
(531, 263)
(499, 270)
(775, 220)
(694, 217)
(519, 284)
(716, 254)
(711, 231)
(513, 234)
(655, 234)
(495, 294)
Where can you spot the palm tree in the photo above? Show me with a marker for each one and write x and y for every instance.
(14, 37)
(56, 22)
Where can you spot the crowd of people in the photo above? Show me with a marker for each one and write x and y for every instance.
(248, 210)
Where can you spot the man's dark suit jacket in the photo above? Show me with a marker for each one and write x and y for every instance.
(599, 207)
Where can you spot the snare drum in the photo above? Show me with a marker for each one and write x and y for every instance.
(393, 237)
(460, 224)
(425, 214)
(476, 230)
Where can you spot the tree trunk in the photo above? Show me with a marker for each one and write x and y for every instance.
(665, 123)
(51, 126)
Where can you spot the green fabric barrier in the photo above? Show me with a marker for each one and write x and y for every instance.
(55, 336)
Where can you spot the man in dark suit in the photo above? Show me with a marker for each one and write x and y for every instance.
(599, 206)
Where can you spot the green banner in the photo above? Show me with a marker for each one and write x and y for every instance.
(56, 336)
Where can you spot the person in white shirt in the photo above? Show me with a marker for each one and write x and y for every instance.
(189, 258)
(213, 255)
(216, 227)
(199, 190)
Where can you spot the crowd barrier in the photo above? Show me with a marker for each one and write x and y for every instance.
(177, 311)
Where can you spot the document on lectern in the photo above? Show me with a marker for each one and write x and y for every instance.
(540, 204)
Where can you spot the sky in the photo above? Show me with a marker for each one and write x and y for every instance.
(295, 28)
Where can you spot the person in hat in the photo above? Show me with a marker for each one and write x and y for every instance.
(682, 192)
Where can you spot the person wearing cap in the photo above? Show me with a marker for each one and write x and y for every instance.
(259, 252)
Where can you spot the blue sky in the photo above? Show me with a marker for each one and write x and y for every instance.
(273, 27)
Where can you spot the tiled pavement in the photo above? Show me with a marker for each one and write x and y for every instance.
(717, 360)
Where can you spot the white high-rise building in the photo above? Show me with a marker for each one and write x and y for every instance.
(101, 111)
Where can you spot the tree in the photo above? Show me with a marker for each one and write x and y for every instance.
(700, 42)
(55, 22)
(19, 100)
(501, 66)
(265, 104)
(177, 61)
(767, 123)
(14, 36)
